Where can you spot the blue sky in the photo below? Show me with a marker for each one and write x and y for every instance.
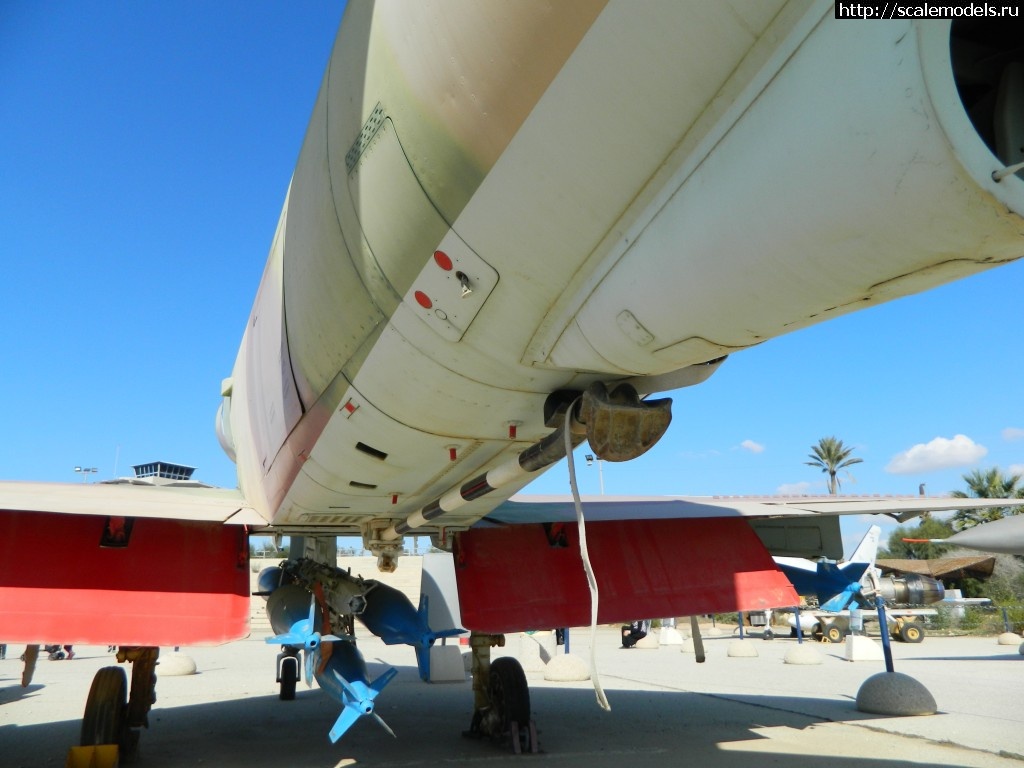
(146, 148)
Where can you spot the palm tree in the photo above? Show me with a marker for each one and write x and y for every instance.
(831, 455)
(990, 484)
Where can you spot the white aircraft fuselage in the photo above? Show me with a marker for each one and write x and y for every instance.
(495, 201)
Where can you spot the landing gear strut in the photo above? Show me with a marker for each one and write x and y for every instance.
(111, 717)
(501, 698)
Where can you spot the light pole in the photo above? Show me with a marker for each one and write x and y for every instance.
(85, 472)
(600, 470)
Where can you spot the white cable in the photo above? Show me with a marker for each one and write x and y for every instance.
(1009, 170)
(602, 700)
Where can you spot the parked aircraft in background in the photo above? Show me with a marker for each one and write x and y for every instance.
(854, 584)
(509, 225)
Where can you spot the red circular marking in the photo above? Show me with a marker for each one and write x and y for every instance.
(444, 261)
(423, 300)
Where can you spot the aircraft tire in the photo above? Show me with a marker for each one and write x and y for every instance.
(911, 632)
(509, 692)
(105, 708)
(289, 677)
(835, 634)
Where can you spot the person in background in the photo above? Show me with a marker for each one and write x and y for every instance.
(635, 632)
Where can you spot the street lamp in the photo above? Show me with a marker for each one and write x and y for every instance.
(600, 469)
(85, 472)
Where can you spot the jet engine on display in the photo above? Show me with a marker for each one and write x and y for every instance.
(909, 589)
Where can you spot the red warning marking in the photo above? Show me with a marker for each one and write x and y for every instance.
(443, 260)
(423, 300)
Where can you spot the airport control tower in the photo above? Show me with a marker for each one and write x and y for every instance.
(162, 473)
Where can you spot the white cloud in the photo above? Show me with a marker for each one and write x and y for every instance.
(1013, 433)
(940, 453)
(793, 489)
(750, 445)
(1016, 469)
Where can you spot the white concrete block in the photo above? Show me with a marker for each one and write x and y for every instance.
(446, 665)
(860, 648)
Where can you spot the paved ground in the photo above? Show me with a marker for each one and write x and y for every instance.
(665, 708)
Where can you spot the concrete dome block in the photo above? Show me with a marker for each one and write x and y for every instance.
(566, 668)
(895, 694)
(649, 641)
(742, 649)
(1008, 638)
(803, 653)
(670, 636)
(536, 650)
(176, 665)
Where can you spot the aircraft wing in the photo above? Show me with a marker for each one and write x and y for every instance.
(197, 503)
(553, 509)
(162, 565)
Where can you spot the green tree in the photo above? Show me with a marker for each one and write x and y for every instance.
(830, 455)
(989, 484)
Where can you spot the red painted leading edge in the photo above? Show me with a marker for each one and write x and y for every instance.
(531, 576)
(176, 582)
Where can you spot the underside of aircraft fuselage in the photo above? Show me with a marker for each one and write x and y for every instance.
(665, 186)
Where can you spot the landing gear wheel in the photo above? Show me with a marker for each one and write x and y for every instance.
(289, 677)
(911, 632)
(106, 708)
(835, 634)
(509, 692)
(509, 714)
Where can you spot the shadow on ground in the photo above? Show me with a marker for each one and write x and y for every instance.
(428, 720)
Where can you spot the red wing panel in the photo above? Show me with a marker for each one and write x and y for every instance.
(153, 582)
(531, 576)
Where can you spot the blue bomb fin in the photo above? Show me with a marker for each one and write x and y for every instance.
(427, 638)
(839, 585)
(359, 699)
